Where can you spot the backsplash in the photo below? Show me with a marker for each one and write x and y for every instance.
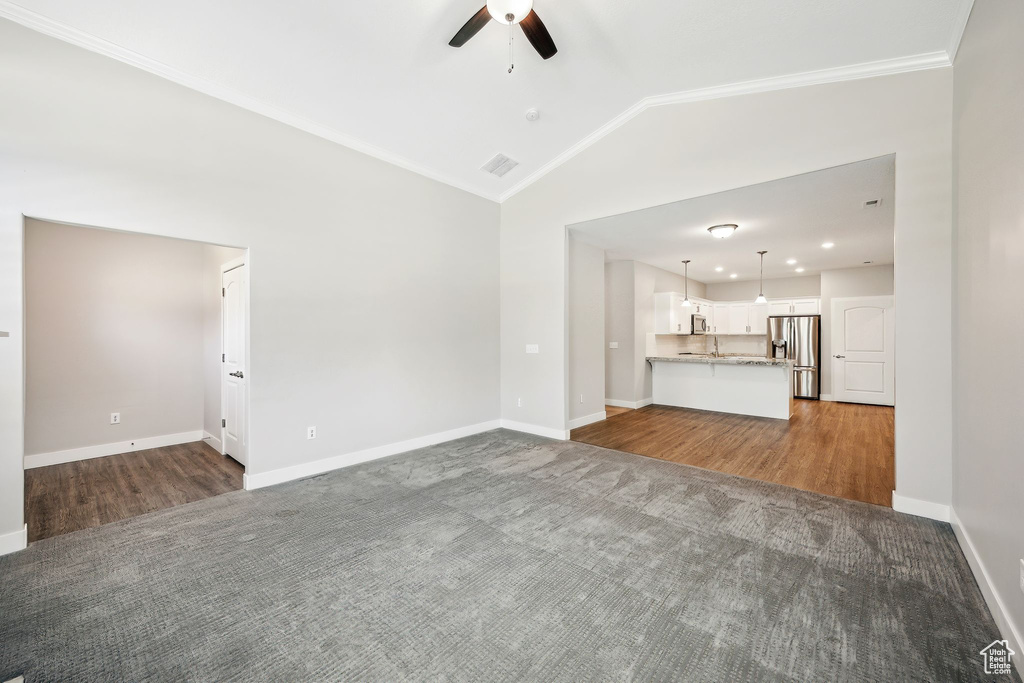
(673, 344)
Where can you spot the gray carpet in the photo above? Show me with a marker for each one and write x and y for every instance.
(500, 557)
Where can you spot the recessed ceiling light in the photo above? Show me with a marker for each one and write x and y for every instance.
(799, 270)
(734, 276)
(719, 269)
(827, 245)
(791, 262)
(722, 231)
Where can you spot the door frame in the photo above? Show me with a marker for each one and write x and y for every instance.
(890, 299)
(246, 441)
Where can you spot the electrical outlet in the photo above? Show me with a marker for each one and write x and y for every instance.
(533, 348)
(1022, 576)
(613, 345)
(311, 432)
(581, 398)
(519, 403)
(115, 418)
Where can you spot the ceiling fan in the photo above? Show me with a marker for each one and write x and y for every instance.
(510, 13)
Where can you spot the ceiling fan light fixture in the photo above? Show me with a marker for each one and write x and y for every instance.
(501, 9)
(722, 231)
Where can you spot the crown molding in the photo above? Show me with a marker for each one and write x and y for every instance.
(887, 67)
(963, 13)
(68, 34)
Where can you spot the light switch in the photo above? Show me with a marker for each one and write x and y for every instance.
(533, 348)
(613, 345)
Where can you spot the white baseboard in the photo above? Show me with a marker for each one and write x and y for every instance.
(309, 469)
(920, 508)
(214, 441)
(103, 450)
(999, 610)
(549, 432)
(587, 419)
(616, 403)
(825, 397)
(14, 541)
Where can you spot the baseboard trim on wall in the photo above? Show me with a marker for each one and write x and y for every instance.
(260, 480)
(560, 434)
(14, 541)
(999, 610)
(920, 508)
(825, 397)
(214, 441)
(103, 450)
(587, 419)
(633, 405)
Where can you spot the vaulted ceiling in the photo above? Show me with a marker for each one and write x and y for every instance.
(380, 76)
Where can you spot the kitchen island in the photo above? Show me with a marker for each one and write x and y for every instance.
(743, 385)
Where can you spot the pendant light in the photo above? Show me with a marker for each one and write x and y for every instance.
(760, 297)
(686, 284)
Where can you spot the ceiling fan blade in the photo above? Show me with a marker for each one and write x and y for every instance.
(471, 28)
(538, 35)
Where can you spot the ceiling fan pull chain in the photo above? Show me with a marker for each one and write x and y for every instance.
(511, 62)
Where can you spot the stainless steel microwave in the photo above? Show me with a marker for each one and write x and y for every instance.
(699, 324)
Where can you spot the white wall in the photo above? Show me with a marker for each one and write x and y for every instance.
(586, 330)
(114, 323)
(374, 291)
(620, 322)
(988, 464)
(845, 282)
(777, 288)
(213, 257)
(656, 158)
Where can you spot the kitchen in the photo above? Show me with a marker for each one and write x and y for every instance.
(761, 317)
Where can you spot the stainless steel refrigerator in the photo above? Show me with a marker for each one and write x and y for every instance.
(798, 337)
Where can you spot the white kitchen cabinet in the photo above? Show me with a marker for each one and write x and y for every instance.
(670, 315)
(720, 312)
(738, 318)
(757, 320)
(806, 307)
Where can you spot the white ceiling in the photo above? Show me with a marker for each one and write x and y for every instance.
(790, 218)
(379, 76)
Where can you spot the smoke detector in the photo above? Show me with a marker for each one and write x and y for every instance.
(532, 115)
(499, 165)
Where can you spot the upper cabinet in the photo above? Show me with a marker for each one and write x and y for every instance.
(734, 318)
(793, 307)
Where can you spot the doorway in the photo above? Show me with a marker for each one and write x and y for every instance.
(124, 340)
(708, 299)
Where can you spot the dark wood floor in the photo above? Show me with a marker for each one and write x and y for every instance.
(839, 449)
(77, 495)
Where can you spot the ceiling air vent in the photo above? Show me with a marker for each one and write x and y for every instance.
(872, 203)
(499, 165)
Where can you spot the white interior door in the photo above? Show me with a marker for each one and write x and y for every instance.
(863, 358)
(233, 381)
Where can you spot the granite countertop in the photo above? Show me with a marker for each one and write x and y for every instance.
(723, 360)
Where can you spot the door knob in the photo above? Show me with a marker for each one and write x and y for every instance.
(839, 356)
(237, 373)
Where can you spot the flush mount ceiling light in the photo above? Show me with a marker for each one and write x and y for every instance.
(686, 284)
(722, 231)
(827, 245)
(760, 297)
